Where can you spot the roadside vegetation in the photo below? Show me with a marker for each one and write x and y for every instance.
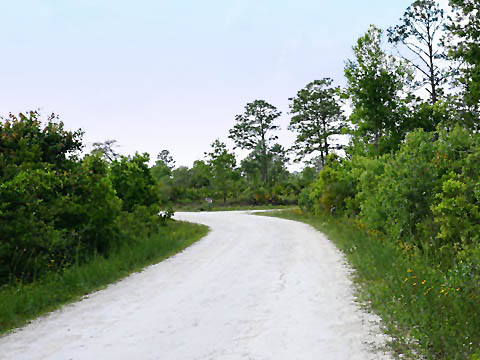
(69, 224)
(428, 312)
(23, 301)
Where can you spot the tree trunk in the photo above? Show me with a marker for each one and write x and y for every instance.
(325, 138)
(431, 66)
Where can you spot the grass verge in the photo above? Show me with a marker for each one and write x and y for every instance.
(20, 303)
(428, 313)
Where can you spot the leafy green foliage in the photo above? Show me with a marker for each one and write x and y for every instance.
(222, 164)
(466, 47)
(376, 86)
(133, 182)
(414, 192)
(22, 302)
(57, 210)
(332, 187)
(25, 144)
(53, 208)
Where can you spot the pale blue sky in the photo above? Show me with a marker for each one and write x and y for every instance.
(173, 74)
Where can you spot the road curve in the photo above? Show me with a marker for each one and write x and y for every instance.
(255, 288)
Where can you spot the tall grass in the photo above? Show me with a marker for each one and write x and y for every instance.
(20, 303)
(428, 313)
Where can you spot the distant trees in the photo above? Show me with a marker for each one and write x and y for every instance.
(317, 116)
(166, 159)
(133, 181)
(253, 131)
(163, 167)
(106, 149)
(222, 164)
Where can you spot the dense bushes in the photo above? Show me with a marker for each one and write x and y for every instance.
(133, 182)
(57, 209)
(425, 196)
(422, 202)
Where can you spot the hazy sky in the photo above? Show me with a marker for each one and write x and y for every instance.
(172, 74)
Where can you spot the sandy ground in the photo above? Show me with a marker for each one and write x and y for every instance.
(254, 288)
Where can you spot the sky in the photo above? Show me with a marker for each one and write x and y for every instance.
(172, 74)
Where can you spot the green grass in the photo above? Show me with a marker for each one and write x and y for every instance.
(428, 313)
(20, 303)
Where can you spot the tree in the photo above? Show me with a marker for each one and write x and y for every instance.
(25, 144)
(165, 157)
(106, 150)
(278, 160)
(317, 116)
(279, 175)
(201, 174)
(420, 32)
(252, 131)
(465, 28)
(376, 84)
(181, 182)
(222, 164)
(162, 170)
(54, 208)
(133, 181)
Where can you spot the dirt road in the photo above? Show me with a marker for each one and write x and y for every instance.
(254, 288)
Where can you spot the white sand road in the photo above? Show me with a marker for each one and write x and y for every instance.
(255, 288)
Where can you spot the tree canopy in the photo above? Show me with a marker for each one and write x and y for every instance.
(377, 85)
(253, 130)
(317, 115)
(420, 31)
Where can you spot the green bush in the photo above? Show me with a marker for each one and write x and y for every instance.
(304, 200)
(57, 210)
(50, 218)
(133, 181)
(425, 194)
(333, 186)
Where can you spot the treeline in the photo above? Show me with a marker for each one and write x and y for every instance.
(220, 181)
(57, 208)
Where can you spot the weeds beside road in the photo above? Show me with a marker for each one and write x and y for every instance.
(23, 302)
(427, 312)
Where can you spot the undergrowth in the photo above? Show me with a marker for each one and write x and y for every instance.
(21, 302)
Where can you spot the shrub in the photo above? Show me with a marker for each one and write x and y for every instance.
(133, 181)
(425, 195)
(333, 186)
(54, 208)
